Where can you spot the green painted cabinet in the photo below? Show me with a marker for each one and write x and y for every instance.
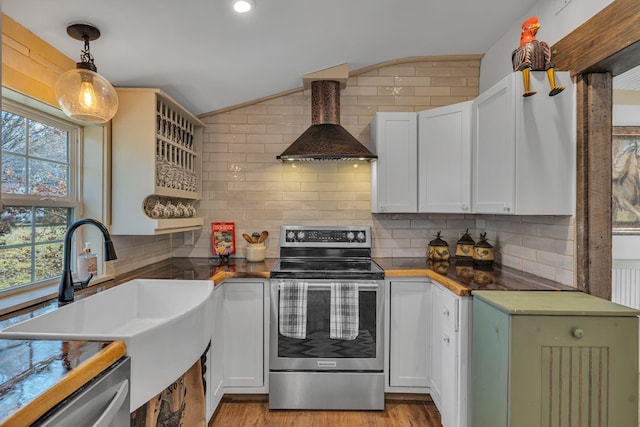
(553, 359)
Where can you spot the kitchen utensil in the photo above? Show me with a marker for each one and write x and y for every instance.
(247, 237)
(254, 237)
(263, 236)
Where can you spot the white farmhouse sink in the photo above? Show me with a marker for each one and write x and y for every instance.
(166, 325)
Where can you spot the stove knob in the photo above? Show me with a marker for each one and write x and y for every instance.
(360, 237)
(350, 236)
(301, 236)
(290, 236)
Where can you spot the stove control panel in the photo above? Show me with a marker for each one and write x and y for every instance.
(326, 236)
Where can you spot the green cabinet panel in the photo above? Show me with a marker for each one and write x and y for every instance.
(553, 359)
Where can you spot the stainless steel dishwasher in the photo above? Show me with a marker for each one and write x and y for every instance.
(102, 402)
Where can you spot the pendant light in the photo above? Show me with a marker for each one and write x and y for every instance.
(82, 93)
(243, 6)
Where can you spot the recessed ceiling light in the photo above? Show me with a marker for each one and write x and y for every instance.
(243, 6)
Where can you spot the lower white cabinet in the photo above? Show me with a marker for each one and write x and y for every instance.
(244, 337)
(429, 332)
(215, 357)
(409, 333)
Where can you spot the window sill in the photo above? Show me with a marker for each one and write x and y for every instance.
(19, 300)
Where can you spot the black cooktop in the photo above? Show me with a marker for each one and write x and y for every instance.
(327, 269)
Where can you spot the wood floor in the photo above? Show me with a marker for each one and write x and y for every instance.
(255, 413)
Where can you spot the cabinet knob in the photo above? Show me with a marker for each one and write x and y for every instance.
(465, 208)
(446, 338)
(445, 312)
(578, 333)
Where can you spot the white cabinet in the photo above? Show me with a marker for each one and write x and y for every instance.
(244, 337)
(215, 359)
(444, 159)
(394, 184)
(156, 163)
(524, 149)
(409, 333)
(449, 355)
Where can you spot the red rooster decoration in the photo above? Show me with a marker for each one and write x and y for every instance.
(533, 55)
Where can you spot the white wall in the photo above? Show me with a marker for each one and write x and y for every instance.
(553, 27)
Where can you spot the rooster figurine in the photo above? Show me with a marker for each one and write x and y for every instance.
(533, 55)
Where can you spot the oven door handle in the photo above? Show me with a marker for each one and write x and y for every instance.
(326, 286)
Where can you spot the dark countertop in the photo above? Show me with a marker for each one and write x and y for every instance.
(37, 365)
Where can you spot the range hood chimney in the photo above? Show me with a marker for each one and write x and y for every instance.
(326, 139)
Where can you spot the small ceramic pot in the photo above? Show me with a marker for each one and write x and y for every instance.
(464, 247)
(438, 249)
(255, 252)
(483, 252)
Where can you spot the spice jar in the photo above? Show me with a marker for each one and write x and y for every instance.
(483, 252)
(464, 247)
(438, 249)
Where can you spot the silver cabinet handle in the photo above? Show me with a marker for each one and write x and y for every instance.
(578, 333)
(114, 406)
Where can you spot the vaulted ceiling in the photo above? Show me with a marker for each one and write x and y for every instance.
(207, 57)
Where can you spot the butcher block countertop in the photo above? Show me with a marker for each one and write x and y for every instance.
(37, 375)
(462, 278)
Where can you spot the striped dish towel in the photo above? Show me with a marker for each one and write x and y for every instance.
(344, 311)
(293, 309)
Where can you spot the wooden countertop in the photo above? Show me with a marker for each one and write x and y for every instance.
(37, 375)
(464, 278)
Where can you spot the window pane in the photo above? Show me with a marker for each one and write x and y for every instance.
(51, 224)
(31, 243)
(48, 142)
(48, 261)
(15, 266)
(14, 135)
(47, 178)
(15, 226)
(14, 174)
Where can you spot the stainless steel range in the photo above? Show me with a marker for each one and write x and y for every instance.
(326, 331)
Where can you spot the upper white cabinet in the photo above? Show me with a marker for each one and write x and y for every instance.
(524, 148)
(444, 159)
(394, 184)
(156, 164)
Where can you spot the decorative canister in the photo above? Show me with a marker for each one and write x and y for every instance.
(438, 249)
(483, 252)
(464, 247)
(256, 252)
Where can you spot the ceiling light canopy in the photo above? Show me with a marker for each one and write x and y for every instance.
(82, 93)
(243, 6)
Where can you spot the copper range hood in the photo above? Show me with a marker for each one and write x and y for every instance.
(326, 139)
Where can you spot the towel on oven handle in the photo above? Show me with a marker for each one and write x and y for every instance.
(344, 314)
(292, 313)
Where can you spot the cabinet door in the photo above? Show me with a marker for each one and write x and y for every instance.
(410, 317)
(215, 386)
(243, 344)
(449, 367)
(394, 175)
(493, 152)
(546, 148)
(444, 153)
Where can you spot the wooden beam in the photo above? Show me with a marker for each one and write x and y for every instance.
(609, 41)
(593, 198)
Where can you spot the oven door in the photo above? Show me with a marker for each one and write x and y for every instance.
(319, 352)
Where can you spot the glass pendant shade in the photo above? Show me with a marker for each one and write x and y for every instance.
(86, 96)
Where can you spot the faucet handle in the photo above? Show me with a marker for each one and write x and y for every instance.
(83, 283)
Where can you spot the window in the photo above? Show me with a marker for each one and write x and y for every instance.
(39, 192)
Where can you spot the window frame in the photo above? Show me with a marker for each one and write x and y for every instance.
(74, 186)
